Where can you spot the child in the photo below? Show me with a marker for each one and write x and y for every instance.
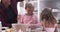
(48, 21)
(29, 17)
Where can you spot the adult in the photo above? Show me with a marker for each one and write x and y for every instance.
(8, 13)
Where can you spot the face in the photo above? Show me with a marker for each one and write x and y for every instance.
(30, 10)
(6, 2)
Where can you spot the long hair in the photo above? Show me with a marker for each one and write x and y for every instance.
(47, 15)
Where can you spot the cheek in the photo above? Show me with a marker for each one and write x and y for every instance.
(27, 11)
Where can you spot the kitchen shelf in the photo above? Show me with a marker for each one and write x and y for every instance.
(56, 10)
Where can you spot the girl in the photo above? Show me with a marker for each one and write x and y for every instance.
(29, 17)
(48, 21)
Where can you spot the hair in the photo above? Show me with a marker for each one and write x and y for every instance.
(48, 16)
(29, 5)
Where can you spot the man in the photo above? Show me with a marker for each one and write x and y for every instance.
(8, 12)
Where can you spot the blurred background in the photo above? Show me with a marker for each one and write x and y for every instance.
(39, 5)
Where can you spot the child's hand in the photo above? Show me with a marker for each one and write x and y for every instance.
(34, 26)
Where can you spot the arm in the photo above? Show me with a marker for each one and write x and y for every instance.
(35, 18)
(1, 15)
(56, 28)
(19, 18)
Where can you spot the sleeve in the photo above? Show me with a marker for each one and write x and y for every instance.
(20, 20)
(35, 20)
